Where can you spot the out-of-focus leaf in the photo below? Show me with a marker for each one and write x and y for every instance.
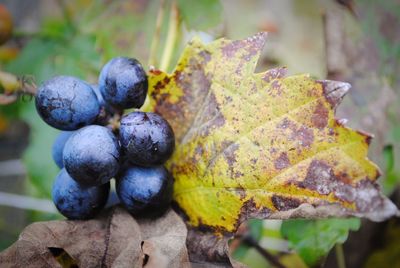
(292, 260)
(260, 145)
(37, 157)
(255, 228)
(43, 58)
(392, 176)
(200, 15)
(313, 239)
(113, 239)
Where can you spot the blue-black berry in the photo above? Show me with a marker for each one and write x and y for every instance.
(76, 202)
(58, 147)
(123, 83)
(91, 155)
(146, 138)
(67, 103)
(145, 190)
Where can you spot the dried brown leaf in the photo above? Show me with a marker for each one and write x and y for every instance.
(113, 239)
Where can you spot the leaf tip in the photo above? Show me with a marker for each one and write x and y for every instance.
(334, 91)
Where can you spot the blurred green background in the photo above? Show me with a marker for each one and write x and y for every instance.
(353, 41)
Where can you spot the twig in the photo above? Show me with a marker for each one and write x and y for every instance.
(12, 167)
(14, 87)
(341, 263)
(172, 34)
(156, 36)
(26, 202)
(251, 242)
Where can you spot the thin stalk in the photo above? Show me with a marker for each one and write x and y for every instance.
(172, 36)
(251, 242)
(341, 263)
(156, 36)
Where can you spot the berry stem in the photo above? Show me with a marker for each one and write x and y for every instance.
(13, 87)
(156, 36)
(172, 36)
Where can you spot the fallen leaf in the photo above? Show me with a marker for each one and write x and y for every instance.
(260, 145)
(113, 239)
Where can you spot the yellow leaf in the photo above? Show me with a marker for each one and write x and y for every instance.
(260, 144)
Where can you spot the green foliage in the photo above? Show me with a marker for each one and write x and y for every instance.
(392, 176)
(200, 15)
(313, 239)
(37, 157)
(255, 231)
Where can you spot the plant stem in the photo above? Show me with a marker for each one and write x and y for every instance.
(341, 263)
(156, 36)
(251, 242)
(172, 35)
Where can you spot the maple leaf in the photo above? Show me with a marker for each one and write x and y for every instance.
(260, 145)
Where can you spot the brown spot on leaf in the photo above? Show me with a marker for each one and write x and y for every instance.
(238, 174)
(166, 80)
(155, 72)
(195, 85)
(367, 137)
(229, 153)
(320, 116)
(274, 74)
(286, 123)
(252, 44)
(368, 196)
(304, 135)
(319, 178)
(231, 48)
(206, 55)
(282, 161)
(251, 210)
(282, 203)
(276, 88)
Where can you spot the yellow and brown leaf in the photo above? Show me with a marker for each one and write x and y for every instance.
(260, 144)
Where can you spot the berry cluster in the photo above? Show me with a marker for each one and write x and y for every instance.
(90, 152)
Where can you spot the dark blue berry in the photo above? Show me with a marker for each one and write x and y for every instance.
(67, 103)
(75, 201)
(58, 147)
(91, 155)
(146, 138)
(123, 83)
(145, 190)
